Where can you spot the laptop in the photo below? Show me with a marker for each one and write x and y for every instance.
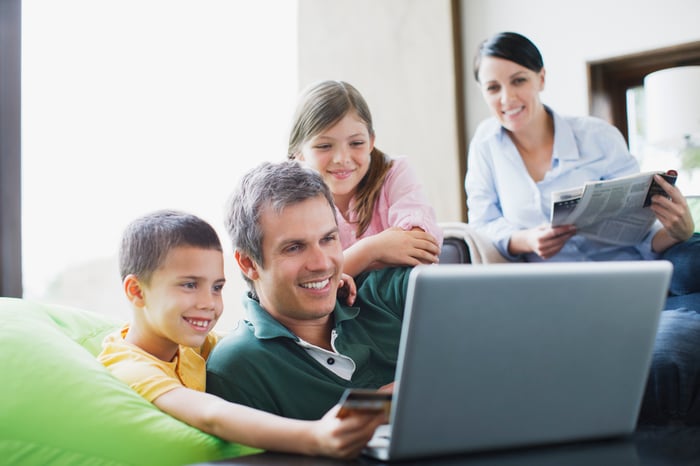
(512, 355)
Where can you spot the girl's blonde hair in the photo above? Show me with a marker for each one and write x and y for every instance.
(321, 106)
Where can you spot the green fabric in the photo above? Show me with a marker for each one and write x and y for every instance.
(259, 363)
(59, 406)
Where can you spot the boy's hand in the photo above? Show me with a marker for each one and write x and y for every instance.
(347, 289)
(345, 438)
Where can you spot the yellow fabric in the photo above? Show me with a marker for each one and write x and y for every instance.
(149, 376)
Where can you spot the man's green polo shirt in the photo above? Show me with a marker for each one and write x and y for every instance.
(261, 365)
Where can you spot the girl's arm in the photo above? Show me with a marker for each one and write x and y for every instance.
(411, 235)
(407, 204)
(329, 436)
(391, 247)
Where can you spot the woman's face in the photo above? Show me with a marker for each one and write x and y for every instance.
(511, 91)
(341, 154)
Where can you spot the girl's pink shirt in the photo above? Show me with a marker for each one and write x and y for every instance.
(401, 203)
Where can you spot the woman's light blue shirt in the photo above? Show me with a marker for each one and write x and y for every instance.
(502, 197)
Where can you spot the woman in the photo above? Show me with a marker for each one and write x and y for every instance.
(526, 151)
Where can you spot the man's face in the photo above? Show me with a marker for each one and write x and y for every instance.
(303, 261)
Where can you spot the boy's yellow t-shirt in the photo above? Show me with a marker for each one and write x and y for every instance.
(150, 376)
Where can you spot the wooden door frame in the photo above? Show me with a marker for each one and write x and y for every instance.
(609, 79)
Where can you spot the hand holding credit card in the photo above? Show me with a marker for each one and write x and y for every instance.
(364, 400)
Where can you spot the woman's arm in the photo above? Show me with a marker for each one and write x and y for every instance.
(545, 241)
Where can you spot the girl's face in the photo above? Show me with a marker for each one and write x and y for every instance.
(341, 154)
(511, 91)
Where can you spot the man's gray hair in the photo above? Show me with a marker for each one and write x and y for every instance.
(274, 185)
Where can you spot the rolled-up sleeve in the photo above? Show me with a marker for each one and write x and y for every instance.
(406, 202)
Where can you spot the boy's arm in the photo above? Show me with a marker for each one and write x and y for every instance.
(329, 436)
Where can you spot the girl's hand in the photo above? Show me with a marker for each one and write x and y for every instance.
(347, 289)
(395, 246)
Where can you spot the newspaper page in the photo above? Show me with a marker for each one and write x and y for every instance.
(613, 211)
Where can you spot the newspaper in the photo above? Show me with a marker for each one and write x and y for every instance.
(612, 211)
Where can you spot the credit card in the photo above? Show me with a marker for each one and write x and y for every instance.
(364, 400)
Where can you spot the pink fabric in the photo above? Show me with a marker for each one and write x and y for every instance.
(401, 203)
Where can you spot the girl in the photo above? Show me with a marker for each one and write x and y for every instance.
(383, 216)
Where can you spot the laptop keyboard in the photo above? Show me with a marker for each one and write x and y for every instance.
(381, 437)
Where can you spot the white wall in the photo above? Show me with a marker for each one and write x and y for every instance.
(569, 34)
(398, 53)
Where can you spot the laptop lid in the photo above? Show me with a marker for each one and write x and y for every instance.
(510, 355)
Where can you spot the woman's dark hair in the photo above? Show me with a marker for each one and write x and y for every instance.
(509, 46)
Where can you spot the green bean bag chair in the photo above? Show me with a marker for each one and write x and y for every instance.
(59, 406)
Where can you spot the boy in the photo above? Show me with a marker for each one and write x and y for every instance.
(171, 265)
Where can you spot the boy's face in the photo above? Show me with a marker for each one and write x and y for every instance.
(183, 301)
(303, 261)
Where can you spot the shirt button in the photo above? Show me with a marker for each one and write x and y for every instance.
(330, 361)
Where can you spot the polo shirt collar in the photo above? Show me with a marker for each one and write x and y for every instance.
(265, 326)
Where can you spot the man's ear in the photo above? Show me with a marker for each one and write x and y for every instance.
(247, 265)
(134, 290)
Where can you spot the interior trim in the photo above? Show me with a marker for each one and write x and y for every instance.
(609, 79)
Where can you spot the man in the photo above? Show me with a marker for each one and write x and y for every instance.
(299, 348)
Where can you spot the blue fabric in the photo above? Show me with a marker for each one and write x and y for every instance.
(685, 258)
(503, 198)
(672, 393)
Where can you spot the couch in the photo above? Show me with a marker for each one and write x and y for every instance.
(59, 406)
(464, 245)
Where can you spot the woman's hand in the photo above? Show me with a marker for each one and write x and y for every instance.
(673, 214)
(545, 240)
